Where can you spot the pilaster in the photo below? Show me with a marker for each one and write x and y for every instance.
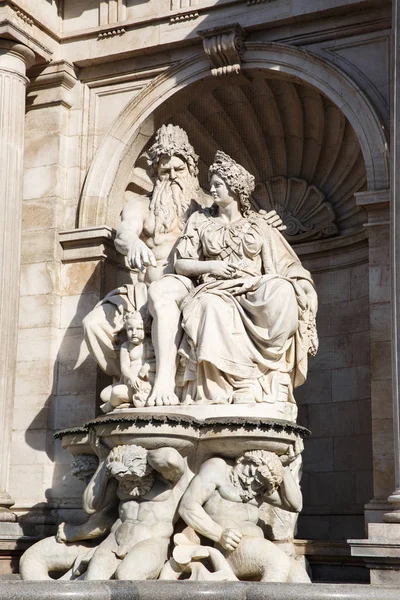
(381, 551)
(14, 60)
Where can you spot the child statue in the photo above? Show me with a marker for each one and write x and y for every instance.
(137, 365)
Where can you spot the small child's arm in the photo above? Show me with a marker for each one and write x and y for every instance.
(125, 362)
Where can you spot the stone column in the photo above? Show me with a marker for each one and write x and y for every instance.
(14, 60)
(394, 498)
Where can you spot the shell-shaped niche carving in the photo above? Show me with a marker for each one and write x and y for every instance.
(300, 147)
(302, 207)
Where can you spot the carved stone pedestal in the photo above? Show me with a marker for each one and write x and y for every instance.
(208, 478)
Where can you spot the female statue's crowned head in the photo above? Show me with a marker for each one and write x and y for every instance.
(239, 181)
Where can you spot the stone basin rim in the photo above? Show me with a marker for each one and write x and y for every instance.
(188, 421)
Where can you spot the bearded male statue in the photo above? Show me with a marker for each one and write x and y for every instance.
(149, 229)
(150, 226)
(222, 503)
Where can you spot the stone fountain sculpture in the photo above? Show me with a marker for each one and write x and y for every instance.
(199, 443)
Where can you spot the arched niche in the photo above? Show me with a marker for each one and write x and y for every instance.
(306, 82)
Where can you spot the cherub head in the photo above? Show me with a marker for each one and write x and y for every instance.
(137, 325)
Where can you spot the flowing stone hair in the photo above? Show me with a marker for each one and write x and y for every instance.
(127, 455)
(240, 181)
(172, 140)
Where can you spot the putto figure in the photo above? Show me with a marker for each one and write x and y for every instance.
(222, 503)
(137, 365)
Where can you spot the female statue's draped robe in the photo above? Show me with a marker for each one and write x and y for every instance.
(248, 336)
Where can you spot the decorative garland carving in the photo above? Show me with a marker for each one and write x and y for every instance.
(224, 47)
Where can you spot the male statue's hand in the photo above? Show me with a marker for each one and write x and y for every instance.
(230, 539)
(273, 219)
(140, 256)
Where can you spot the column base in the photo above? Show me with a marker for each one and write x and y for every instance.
(375, 510)
(380, 552)
(394, 515)
(6, 515)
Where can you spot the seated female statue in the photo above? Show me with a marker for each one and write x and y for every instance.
(249, 322)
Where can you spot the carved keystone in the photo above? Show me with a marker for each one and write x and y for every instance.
(224, 47)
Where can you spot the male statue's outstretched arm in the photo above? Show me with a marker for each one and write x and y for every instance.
(127, 240)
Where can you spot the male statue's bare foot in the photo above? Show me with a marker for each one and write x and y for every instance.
(162, 396)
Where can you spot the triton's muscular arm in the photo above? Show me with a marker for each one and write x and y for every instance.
(168, 462)
(212, 475)
(199, 491)
(127, 240)
(100, 491)
(288, 496)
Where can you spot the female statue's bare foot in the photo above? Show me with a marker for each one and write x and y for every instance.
(162, 396)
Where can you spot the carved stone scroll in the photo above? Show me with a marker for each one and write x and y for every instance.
(224, 47)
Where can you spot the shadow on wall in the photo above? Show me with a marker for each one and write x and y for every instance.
(72, 402)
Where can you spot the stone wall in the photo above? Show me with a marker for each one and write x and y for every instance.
(335, 404)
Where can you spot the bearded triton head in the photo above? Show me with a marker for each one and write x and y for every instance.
(257, 473)
(128, 464)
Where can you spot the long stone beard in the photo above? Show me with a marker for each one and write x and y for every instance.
(134, 486)
(245, 491)
(171, 201)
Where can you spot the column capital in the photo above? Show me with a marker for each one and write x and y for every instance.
(17, 49)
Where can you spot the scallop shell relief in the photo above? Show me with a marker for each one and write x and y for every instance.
(302, 208)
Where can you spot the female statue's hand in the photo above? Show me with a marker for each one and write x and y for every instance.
(221, 269)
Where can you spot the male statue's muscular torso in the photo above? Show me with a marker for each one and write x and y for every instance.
(226, 508)
(150, 516)
(139, 221)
